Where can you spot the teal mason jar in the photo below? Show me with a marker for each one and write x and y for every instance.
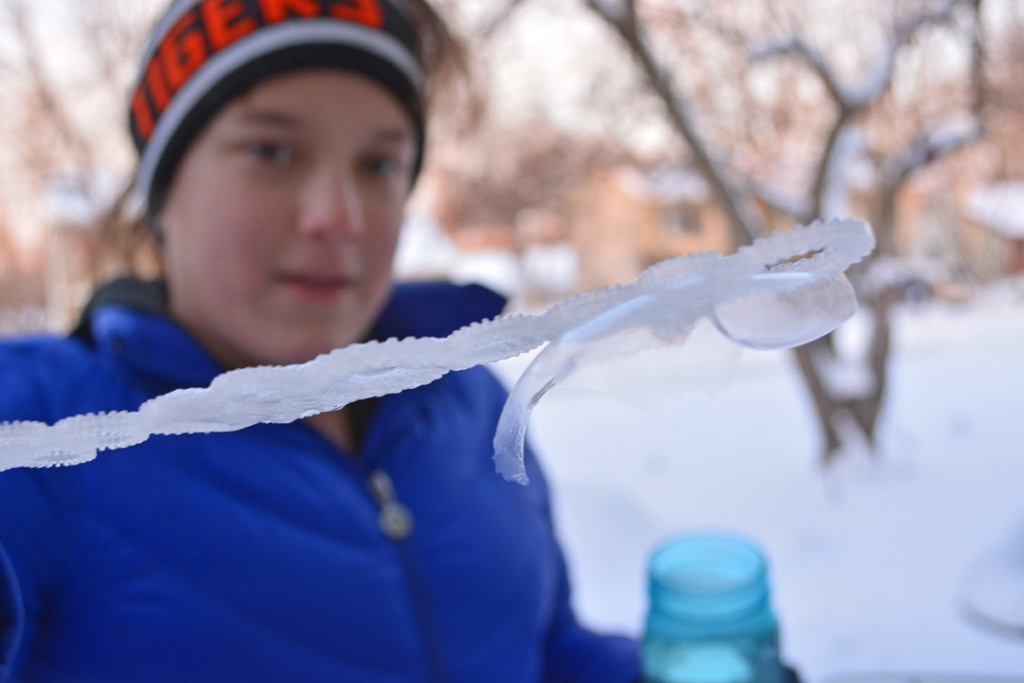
(710, 617)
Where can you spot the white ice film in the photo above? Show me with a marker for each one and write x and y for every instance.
(779, 292)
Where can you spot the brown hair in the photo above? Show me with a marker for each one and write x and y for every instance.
(442, 54)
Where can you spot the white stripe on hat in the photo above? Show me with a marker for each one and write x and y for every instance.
(261, 42)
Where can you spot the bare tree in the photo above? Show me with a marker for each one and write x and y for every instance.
(64, 90)
(44, 100)
(850, 99)
(1004, 100)
(701, 61)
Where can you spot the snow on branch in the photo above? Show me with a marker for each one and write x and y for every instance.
(796, 47)
(879, 76)
(932, 145)
(949, 136)
(856, 96)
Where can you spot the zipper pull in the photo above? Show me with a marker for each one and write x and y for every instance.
(394, 519)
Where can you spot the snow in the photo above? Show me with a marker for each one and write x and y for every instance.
(425, 251)
(77, 201)
(873, 82)
(999, 207)
(551, 268)
(868, 560)
(845, 172)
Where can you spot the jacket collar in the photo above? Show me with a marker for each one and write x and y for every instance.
(129, 318)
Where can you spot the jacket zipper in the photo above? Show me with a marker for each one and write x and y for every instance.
(393, 518)
(397, 523)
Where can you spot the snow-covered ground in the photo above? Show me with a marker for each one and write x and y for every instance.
(868, 560)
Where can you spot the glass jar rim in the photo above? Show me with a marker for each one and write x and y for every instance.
(707, 564)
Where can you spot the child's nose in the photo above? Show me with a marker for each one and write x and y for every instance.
(332, 207)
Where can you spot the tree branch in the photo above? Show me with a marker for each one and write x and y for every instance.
(937, 142)
(880, 77)
(795, 209)
(45, 92)
(796, 47)
(622, 18)
(851, 100)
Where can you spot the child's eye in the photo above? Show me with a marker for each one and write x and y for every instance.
(271, 152)
(384, 166)
(381, 167)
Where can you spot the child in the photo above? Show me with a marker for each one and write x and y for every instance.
(278, 142)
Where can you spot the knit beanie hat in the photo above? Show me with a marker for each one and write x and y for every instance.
(203, 53)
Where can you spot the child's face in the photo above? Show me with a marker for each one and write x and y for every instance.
(282, 220)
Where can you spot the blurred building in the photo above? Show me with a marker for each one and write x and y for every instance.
(995, 214)
(625, 219)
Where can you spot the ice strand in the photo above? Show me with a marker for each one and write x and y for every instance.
(779, 293)
(798, 272)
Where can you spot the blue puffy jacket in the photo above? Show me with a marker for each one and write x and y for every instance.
(258, 555)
